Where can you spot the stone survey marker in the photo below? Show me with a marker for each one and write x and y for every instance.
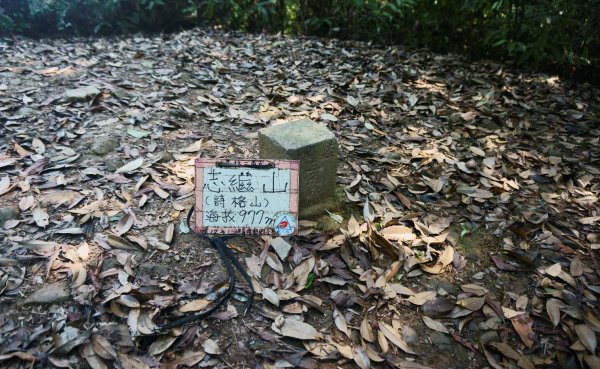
(317, 149)
(251, 197)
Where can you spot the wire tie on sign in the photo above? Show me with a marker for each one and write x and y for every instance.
(228, 164)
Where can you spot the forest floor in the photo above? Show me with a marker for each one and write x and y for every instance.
(468, 201)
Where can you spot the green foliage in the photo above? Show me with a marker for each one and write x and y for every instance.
(559, 35)
(38, 18)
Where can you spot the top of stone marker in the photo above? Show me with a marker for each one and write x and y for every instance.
(298, 134)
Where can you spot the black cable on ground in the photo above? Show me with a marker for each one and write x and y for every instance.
(228, 257)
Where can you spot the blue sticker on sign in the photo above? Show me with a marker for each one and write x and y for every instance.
(285, 223)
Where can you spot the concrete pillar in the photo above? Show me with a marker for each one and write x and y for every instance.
(317, 149)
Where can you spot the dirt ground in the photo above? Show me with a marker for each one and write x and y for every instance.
(467, 194)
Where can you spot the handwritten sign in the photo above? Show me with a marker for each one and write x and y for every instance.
(252, 197)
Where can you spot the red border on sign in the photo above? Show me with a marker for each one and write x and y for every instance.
(201, 163)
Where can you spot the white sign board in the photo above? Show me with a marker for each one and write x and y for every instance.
(251, 197)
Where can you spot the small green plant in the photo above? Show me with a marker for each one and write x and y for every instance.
(464, 230)
(309, 280)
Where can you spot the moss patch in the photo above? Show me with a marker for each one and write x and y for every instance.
(474, 243)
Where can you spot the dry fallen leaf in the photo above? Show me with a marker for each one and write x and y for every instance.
(398, 233)
(474, 289)
(271, 296)
(274, 262)
(79, 275)
(320, 349)
(394, 337)
(340, 322)
(471, 303)
(38, 146)
(131, 166)
(281, 247)
(93, 360)
(368, 213)
(554, 270)
(295, 329)
(589, 220)
(195, 305)
(121, 243)
(506, 350)
(188, 358)
(576, 267)
(422, 297)
(592, 361)
(169, 232)
(124, 224)
(161, 344)
(254, 265)
(446, 257)
(523, 325)
(468, 116)
(4, 185)
(102, 347)
(366, 331)
(360, 357)
(211, 347)
(144, 323)
(510, 313)
(553, 310)
(435, 325)
(587, 336)
(160, 192)
(40, 217)
(382, 341)
(26, 202)
(193, 148)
